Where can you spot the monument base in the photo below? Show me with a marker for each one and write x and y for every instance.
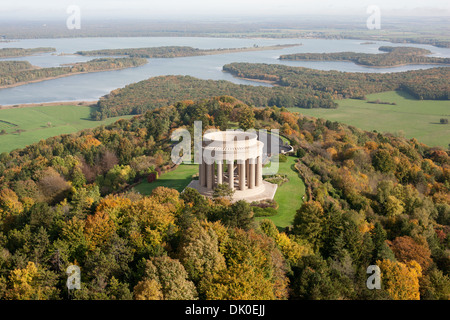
(266, 191)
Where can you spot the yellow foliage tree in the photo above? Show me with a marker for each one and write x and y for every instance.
(148, 289)
(400, 280)
(26, 285)
(291, 250)
(98, 229)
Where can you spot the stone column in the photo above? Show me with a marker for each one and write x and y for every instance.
(251, 174)
(231, 174)
(201, 175)
(219, 173)
(214, 184)
(258, 171)
(247, 171)
(209, 175)
(242, 175)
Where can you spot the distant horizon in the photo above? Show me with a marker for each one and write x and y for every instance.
(23, 10)
(231, 19)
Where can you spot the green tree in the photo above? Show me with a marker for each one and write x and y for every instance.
(223, 191)
(308, 222)
(382, 161)
(313, 280)
(172, 277)
(238, 215)
(246, 118)
(199, 252)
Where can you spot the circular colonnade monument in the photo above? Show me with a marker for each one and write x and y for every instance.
(234, 158)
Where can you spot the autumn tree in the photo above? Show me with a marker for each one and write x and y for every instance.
(400, 280)
(246, 118)
(29, 284)
(98, 229)
(255, 269)
(406, 249)
(172, 278)
(199, 252)
(148, 290)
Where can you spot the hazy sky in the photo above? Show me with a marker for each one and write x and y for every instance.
(43, 9)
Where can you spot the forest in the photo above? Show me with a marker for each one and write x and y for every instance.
(21, 52)
(19, 72)
(161, 91)
(371, 199)
(393, 56)
(8, 67)
(426, 84)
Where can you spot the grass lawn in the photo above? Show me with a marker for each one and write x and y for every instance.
(42, 122)
(177, 179)
(410, 117)
(289, 195)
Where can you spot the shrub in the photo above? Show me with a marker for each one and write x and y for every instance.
(264, 212)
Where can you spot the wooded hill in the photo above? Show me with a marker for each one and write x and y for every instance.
(371, 199)
(160, 91)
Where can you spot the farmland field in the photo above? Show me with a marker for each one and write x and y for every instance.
(42, 122)
(409, 117)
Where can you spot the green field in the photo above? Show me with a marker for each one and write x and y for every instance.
(289, 195)
(410, 117)
(177, 179)
(42, 122)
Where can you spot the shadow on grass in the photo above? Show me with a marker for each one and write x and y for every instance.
(146, 188)
(405, 95)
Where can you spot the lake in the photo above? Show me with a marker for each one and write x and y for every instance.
(92, 86)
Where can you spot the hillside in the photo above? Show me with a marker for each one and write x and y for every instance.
(372, 199)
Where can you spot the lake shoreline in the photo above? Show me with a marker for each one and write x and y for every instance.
(18, 84)
(46, 104)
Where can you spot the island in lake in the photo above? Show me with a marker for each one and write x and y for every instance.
(392, 57)
(176, 51)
